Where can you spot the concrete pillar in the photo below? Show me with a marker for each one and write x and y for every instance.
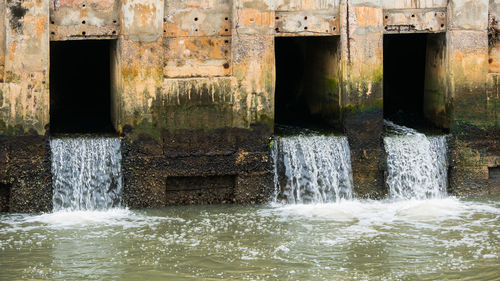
(2, 40)
(24, 97)
(475, 132)
(362, 93)
(138, 65)
(253, 62)
(24, 105)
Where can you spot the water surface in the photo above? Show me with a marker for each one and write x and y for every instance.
(446, 239)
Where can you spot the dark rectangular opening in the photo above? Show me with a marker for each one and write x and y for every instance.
(415, 80)
(4, 197)
(404, 78)
(80, 86)
(494, 173)
(200, 189)
(307, 82)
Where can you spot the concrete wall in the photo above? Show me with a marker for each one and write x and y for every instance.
(193, 88)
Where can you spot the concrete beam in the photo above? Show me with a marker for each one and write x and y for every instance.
(84, 19)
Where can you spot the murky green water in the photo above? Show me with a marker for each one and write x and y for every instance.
(407, 240)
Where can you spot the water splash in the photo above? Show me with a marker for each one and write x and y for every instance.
(86, 173)
(312, 169)
(416, 164)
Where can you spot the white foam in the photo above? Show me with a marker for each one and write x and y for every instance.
(82, 218)
(377, 211)
(112, 217)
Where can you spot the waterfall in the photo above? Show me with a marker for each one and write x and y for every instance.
(416, 164)
(86, 173)
(312, 169)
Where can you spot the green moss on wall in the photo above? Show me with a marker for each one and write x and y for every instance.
(9, 130)
(11, 77)
(377, 105)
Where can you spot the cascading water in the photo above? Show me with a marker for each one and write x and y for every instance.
(416, 164)
(312, 169)
(86, 173)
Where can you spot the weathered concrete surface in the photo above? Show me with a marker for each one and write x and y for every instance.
(414, 4)
(415, 20)
(84, 19)
(3, 45)
(142, 20)
(474, 126)
(361, 98)
(182, 98)
(303, 18)
(197, 38)
(193, 82)
(493, 36)
(24, 95)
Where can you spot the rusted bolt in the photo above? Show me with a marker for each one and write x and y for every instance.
(226, 65)
(334, 17)
(490, 60)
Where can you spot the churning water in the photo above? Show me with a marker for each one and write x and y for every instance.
(86, 173)
(427, 237)
(312, 169)
(433, 239)
(416, 164)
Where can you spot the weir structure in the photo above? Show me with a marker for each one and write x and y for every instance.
(194, 87)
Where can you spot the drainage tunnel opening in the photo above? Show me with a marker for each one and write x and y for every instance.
(80, 86)
(494, 173)
(414, 80)
(307, 89)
